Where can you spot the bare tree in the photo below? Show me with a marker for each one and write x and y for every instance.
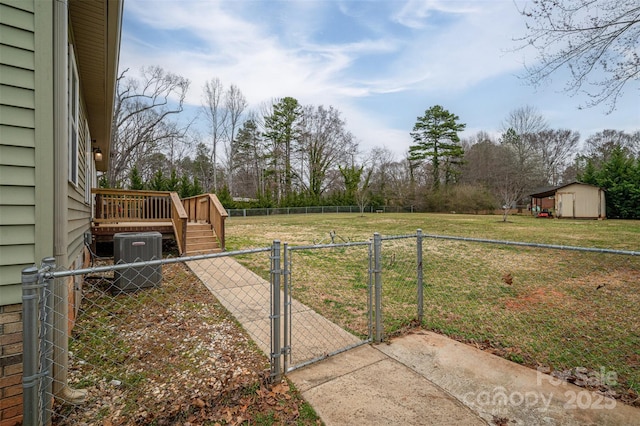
(381, 161)
(235, 104)
(525, 122)
(507, 181)
(142, 118)
(599, 146)
(556, 148)
(597, 40)
(520, 133)
(216, 115)
(325, 144)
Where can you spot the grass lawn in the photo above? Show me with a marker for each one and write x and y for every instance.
(540, 307)
(244, 232)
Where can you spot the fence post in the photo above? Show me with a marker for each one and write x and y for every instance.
(420, 277)
(276, 368)
(46, 355)
(30, 376)
(377, 271)
(370, 295)
(286, 276)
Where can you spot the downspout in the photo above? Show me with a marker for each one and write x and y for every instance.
(60, 241)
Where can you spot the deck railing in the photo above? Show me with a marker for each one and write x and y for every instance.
(121, 205)
(207, 208)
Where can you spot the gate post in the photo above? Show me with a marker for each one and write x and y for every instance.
(46, 355)
(377, 271)
(420, 277)
(30, 376)
(370, 292)
(276, 368)
(286, 276)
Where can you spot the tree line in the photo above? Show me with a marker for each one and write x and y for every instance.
(288, 154)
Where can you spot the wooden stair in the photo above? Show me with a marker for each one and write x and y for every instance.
(201, 239)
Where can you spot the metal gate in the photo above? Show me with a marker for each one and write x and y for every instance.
(345, 322)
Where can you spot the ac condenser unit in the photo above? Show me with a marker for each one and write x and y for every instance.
(130, 247)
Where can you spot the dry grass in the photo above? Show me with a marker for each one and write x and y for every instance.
(557, 309)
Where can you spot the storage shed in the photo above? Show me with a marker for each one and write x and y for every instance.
(575, 200)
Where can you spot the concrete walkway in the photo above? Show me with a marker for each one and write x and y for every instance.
(418, 379)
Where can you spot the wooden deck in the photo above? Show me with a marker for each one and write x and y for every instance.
(104, 232)
(195, 223)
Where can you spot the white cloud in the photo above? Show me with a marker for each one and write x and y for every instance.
(443, 49)
(418, 14)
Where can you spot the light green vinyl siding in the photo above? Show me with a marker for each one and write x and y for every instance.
(17, 155)
(19, 38)
(16, 234)
(27, 6)
(20, 117)
(10, 76)
(17, 97)
(18, 58)
(17, 143)
(17, 136)
(17, 195)
(6, 280)
(17, 215)
(16, 17)
(12, 175)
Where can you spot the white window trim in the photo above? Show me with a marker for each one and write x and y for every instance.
(74, 118)
(90, 174)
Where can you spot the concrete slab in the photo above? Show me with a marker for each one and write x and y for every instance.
(376, 390)
(494, 387)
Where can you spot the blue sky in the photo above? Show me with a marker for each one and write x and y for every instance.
(381, 63)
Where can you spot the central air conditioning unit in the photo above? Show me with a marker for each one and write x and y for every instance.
(131, 247)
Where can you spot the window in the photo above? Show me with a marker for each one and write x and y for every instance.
(90, 175)
(74, 117)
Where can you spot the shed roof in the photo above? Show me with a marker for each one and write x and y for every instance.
(549, 192)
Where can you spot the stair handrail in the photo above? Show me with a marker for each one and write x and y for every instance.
(217, 216)
(179, 220)
(207, 207)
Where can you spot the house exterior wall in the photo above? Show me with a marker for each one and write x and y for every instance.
(17, 145)
(26, 171)
(580, 201)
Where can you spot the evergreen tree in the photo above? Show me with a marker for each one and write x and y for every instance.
(135, 180)
(619, 175)
(280, 129)
(196, 188)
(435, 137)
(158, 182)
(173, 183)
(184, 189)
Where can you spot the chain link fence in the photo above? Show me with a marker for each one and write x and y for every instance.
(149, 342)
(342, 294)
(574, 312)
(317, 210)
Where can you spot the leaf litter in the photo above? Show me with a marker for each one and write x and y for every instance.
(170, 355)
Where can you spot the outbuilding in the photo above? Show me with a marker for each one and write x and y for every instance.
(575, 200)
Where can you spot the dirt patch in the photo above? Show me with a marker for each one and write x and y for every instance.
(532, 299)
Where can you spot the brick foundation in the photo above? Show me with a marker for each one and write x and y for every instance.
(11, 365)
